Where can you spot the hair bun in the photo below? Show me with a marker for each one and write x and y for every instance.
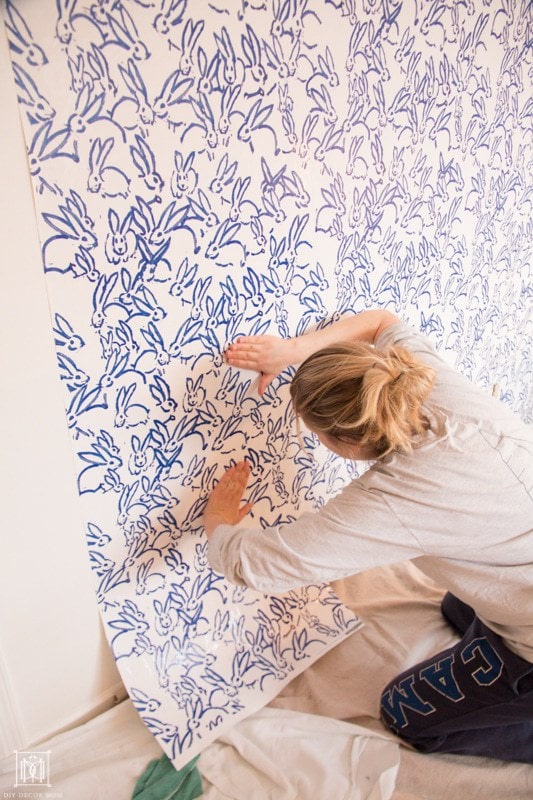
(354, 392)
(396, 378)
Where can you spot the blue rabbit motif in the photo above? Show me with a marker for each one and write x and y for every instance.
(21, 39)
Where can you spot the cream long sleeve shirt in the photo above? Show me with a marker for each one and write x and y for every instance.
(460, 506)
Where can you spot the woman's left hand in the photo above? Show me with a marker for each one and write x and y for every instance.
(268, 355)
(223, 506)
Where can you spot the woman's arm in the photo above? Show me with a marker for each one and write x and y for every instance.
(270, 355)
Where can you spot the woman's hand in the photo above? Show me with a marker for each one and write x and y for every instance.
(268, 355)
(223, 506)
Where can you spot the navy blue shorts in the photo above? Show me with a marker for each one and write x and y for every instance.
(475, 698)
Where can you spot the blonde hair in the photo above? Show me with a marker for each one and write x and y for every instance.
(355, 393)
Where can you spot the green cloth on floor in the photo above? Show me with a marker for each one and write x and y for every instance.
(162, 781)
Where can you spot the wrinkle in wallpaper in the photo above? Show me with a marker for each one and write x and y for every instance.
(203, 171)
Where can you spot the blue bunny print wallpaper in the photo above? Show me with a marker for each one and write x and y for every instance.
(208, 170)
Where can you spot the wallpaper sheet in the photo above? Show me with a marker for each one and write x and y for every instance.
(204, 170)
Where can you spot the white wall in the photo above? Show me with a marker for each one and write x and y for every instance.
(51, 673)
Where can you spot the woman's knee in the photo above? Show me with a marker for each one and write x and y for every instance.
(405, 726)
(403, 710)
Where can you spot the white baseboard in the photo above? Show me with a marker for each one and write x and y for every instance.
(110, 697)
(13, 734)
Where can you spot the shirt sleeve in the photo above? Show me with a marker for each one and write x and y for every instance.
(400, 333)
(353, 532)
(453, 393)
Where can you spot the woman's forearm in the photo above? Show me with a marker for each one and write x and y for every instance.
(363, 327)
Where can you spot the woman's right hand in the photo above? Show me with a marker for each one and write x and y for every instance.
(268, 355)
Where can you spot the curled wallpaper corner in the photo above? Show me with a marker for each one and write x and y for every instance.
(202, 171)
